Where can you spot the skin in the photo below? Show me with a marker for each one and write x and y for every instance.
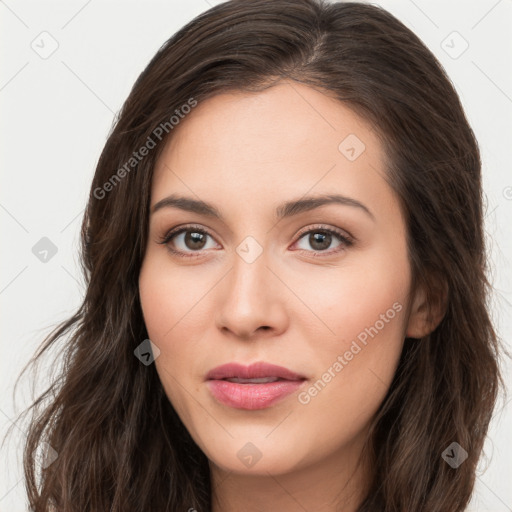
(296, 305)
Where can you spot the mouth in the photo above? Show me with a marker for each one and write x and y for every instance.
(259, 370)
(257, 386)
(261, 380)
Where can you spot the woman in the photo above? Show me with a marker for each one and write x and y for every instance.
(286, 303)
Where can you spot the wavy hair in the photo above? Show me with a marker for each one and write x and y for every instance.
(121, 446)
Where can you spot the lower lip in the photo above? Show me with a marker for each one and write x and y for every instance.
(252, 396)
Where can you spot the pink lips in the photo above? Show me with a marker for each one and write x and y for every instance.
(256, 395)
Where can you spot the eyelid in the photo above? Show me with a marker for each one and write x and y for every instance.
(325, 227)
(345, 238)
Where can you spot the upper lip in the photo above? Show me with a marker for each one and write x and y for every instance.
(253, 371)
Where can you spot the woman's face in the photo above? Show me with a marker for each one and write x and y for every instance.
(318, 287)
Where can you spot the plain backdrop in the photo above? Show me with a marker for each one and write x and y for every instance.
(67, 68)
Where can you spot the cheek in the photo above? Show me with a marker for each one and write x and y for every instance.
(353, 376)
(160, 309)
(365, 310)
(158, 305)
(345, 301)
(163, 308)
(174, 310)
(366, 331)
(171, 298)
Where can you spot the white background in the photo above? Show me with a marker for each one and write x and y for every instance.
(57, 112)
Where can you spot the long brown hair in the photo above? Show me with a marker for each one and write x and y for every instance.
(120, 444)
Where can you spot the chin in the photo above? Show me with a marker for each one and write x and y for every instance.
(256, 455)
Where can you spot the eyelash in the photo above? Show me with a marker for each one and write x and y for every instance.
(345, 239)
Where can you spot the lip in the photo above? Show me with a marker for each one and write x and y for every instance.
(253, 371)
(252, 396)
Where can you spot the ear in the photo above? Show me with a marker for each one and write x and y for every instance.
(422, 319)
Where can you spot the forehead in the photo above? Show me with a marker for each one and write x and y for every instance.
(287, 140)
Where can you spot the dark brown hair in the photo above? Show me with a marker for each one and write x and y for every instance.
(121, 447)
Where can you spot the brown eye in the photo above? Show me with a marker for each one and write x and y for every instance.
(194, 240)
(320, 240)
(187, 241)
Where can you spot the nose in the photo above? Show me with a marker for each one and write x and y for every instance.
(252, 300)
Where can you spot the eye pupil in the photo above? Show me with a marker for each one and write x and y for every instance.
(321, 239)
(195, 239)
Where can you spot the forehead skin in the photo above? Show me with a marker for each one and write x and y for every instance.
(242, 141)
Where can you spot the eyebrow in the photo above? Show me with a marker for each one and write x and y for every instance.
(287, 209)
